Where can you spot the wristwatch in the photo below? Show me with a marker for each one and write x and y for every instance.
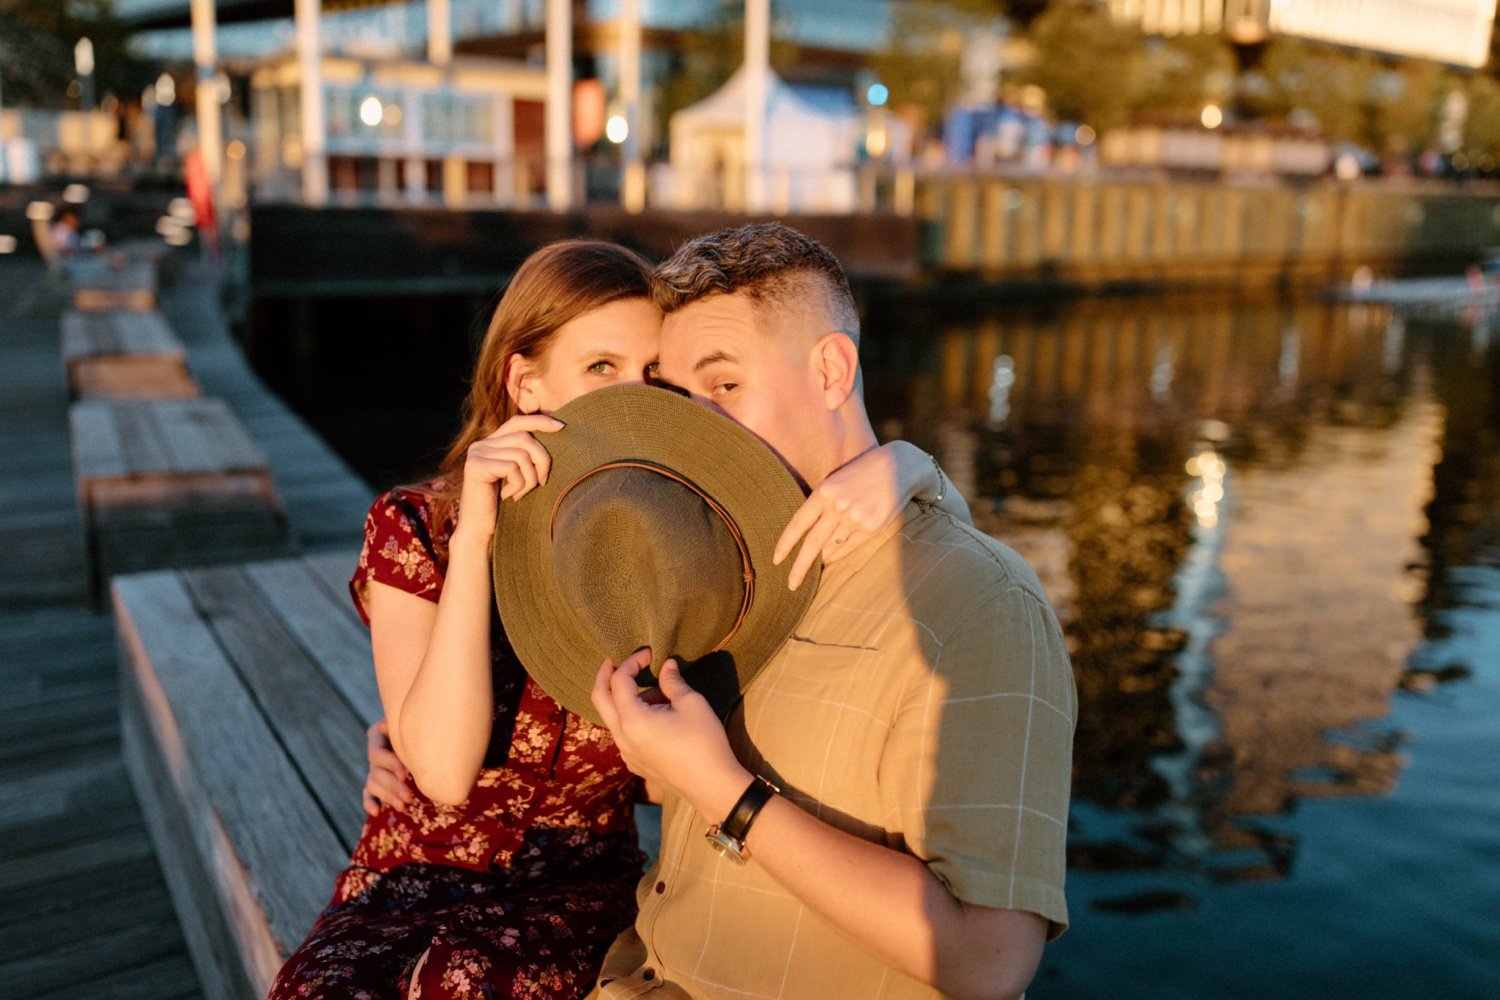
(728, 837)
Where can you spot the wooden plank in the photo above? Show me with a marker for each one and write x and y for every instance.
(89, 334)
(202, 435)
(333, 569)
(269, 852)
(97, 449)
(323, 736)
(131, 377)
(168, 483)
(168, 977)
(124, 355)
(141, 437)
(128, 946)
(80, 905)
(136, 425)
(211, 937)
(39, 868)
(324, 622)
(132, 286)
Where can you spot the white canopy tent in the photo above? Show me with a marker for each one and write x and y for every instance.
(811, 138)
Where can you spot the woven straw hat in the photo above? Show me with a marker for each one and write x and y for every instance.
(655, 528)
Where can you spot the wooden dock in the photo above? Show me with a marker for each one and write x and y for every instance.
(83, 906)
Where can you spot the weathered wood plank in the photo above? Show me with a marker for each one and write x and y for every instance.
(40, 868)
(323, 619)
(168, 977)
(132, 286)
(204, 436)
(127, 947)
(80, 904)
(145, 450)
(90, 334)
(98, 451)
(131, 376)
(245, 807)
(171, 483)
(209, 928)
(323, 736)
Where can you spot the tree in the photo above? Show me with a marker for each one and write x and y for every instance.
(712, 52)
(1482, 126)
(1092, 68)
(1405, 106)
(1181, 74)
(922, 60)
(1332, 86)
(36, 50)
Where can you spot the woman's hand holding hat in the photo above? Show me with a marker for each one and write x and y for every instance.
(510, 457)
(669, 733)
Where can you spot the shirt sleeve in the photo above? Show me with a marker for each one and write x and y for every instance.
(398, 550)
(979, 763)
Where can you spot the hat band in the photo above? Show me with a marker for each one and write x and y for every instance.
(747, 570)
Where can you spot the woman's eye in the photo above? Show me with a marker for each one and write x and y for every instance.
(724, 387)
(653, 369)
(601, 368)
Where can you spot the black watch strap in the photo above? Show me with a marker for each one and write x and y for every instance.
(747, 808)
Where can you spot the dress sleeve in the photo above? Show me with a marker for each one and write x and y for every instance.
(979, 761)
(398, 550)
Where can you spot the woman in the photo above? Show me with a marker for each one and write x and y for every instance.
(511, 866)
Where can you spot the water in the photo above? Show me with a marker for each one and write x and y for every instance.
(1272, 531)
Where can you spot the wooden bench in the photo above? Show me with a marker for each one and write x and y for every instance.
(245, 693)
(116, 282)
(124, 354)
(174, 482)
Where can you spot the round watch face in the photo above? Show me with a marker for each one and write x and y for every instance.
(727, 846)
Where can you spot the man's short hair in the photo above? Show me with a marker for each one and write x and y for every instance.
(770, 263)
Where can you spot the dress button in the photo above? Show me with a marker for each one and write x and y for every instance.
(648, 974)
(661, 887)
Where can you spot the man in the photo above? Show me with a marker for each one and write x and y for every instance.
(886, 811)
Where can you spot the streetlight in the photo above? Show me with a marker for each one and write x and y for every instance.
(83, 63)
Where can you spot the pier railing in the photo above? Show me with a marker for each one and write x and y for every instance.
(1098, 230)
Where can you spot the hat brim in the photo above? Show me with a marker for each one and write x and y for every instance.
(659, 427)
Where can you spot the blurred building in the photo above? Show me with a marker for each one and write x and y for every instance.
(401, 129)
(1456, 32)
(812, 135)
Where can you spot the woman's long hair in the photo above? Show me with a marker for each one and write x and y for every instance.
(557, 283)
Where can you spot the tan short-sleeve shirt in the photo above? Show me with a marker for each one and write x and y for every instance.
(925, 703)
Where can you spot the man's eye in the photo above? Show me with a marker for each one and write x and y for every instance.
(601, 368)
(725, 387)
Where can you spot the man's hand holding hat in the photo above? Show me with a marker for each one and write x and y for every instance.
(669, 734)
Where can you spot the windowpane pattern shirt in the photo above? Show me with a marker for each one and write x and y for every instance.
(926, 703)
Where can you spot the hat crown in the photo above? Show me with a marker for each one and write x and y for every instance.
(642, 558)
(726, 471)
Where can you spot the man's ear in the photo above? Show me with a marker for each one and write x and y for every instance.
(519, 371)
(836, 360)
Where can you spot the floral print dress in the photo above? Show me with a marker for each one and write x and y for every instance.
(518, 891)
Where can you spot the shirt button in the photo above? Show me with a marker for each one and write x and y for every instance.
(661, 887)
(648, 974)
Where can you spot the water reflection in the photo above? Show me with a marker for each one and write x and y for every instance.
(1242, 511)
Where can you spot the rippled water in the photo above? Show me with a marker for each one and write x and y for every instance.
(1272, 530)
(1273, 533)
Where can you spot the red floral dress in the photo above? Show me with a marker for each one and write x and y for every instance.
(519, 891)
